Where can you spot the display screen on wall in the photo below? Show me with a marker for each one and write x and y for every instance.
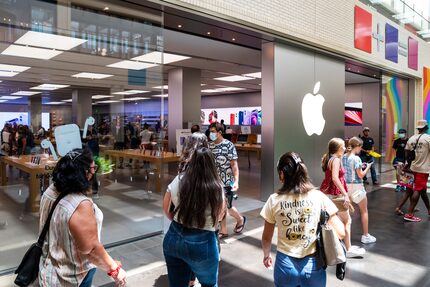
(232, 116)
(353, 114)
(21, 119)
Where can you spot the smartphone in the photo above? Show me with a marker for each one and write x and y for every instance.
(246, 118)
(232, 119)
(254, 118)
(241, 118)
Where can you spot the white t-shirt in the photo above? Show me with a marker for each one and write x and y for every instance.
(5, 136)
(297, 217)
(422, 153)
(173, 188)
(145, 136)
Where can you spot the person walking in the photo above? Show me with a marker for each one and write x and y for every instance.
(354, 172)
(295, 209)
(399, 145)
(368, 146)
(419, 144)
(72, 249)
(334, 186)
(226, 161)
(194, 202)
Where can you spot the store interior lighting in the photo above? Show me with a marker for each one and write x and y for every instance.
(131, 65)
(13, 68)
(49, 87)
(134, 99)
(161, 96)
(95, 76)
(25, 93)
(165, 87)
(54, 103)
(160, 58)
(107, 102)
(98, 97)
(253, 75)
(9, 97)
(50, 41)
(233, 78)
(68, 100)
(131, 92)
(30, 52)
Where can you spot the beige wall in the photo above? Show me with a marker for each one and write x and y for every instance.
(326, 24)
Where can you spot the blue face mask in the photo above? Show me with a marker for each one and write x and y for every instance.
(402, 136)
(213, 136)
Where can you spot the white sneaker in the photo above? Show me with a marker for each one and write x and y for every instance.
(366, 239)
(355, 252)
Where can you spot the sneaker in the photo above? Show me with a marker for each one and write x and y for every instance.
(365, 182)
(366, 239)
(376, 183)
(355, 252)
(398, 188)
(411, 217)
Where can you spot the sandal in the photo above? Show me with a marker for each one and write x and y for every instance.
(399, 211)
(222, 236)
(239, 229)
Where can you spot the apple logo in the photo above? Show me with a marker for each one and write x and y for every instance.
(312, 113)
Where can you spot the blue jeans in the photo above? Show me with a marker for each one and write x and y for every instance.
(367, 158)
(188, 250)
(293, 272)
(88, 280)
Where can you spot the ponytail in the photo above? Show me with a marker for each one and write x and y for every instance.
(324, 162)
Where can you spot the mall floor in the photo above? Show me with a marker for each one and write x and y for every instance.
(399, 258)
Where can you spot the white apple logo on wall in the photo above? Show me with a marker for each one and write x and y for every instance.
(312, 113)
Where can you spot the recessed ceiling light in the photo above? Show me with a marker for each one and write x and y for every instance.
(208, 33)
(68, 100)
(233, 39)
(30, 52)
(25, 93)
(159, 57)
(233, 78)
(8, 74)
(51, 41)
(164, 87)
(131, 92)
(106, 8)
(13, 68)
(230, 89)
(9, 97)
(161, 96)
(54, 103)
(134, 99)
(179, 26)
(97, 97)
(49, 87)
(92, 76)
(131, 65)
(253, 75)
(107, 102)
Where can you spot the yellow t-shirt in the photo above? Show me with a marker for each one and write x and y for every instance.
(297, 217)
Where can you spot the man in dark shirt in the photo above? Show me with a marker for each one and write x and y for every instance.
(368, 146)
(399, 146)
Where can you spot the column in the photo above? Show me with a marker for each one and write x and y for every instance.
(184, 100)
(63, 15)
(82, 106)
(35, 112)
(288, 74)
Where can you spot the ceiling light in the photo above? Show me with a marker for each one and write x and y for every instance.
(54, 103)
(159, 57)
(9, 97)
(179, 26)
(106, 8)
(8, 74)
(97, 97)
(2, 101)
(134, 99)
(68, 100)
(107, 102)
(92, 76)
(131, 65)
(131, 92)
(161, 96)
(25, 93)
(210, 91)
(253, 75)
(51, 41)
(30, 52)
(165, 87)
(234, 39)
(230, 89)
(49, 87)
(208, 33)
(233, 78)
(13, 68)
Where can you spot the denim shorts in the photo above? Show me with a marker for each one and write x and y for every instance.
(188, 250)
(293, 272)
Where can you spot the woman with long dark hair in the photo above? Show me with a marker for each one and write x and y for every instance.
(190, 245)
(72, 248)
(296, 208)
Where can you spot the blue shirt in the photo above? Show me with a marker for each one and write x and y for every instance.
(351, 163)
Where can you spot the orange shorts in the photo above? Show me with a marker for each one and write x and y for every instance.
(420, 181)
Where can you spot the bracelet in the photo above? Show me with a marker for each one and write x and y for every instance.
(114, 273)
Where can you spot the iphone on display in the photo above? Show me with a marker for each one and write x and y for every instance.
(254, 118)
(247, 117)
(232, 119)
(241, 118)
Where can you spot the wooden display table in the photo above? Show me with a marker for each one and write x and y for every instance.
(248, 148)
(23, 163)
(163, 158)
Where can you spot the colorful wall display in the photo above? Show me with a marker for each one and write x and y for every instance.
(393, 122)
(362, 29)
(391, 43)
(426, 93)
(232, 116)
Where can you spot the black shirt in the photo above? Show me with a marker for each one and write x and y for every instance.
(399, 145)
(367, 144)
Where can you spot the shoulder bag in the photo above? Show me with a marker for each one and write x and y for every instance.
(411, 154)
(330, 250)
(28, 269)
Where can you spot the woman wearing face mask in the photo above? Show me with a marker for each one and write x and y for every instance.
(72, 249)
(334, 186)
(399, 146)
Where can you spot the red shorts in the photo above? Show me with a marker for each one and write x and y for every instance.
(420, 181)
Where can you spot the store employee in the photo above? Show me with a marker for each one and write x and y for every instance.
(368, 146)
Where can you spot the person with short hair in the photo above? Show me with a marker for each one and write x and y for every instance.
(195, 129)
(146, 137)
(72, 249)
(228, 169)
(296, 209)
(420, 167)
(368, 146)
